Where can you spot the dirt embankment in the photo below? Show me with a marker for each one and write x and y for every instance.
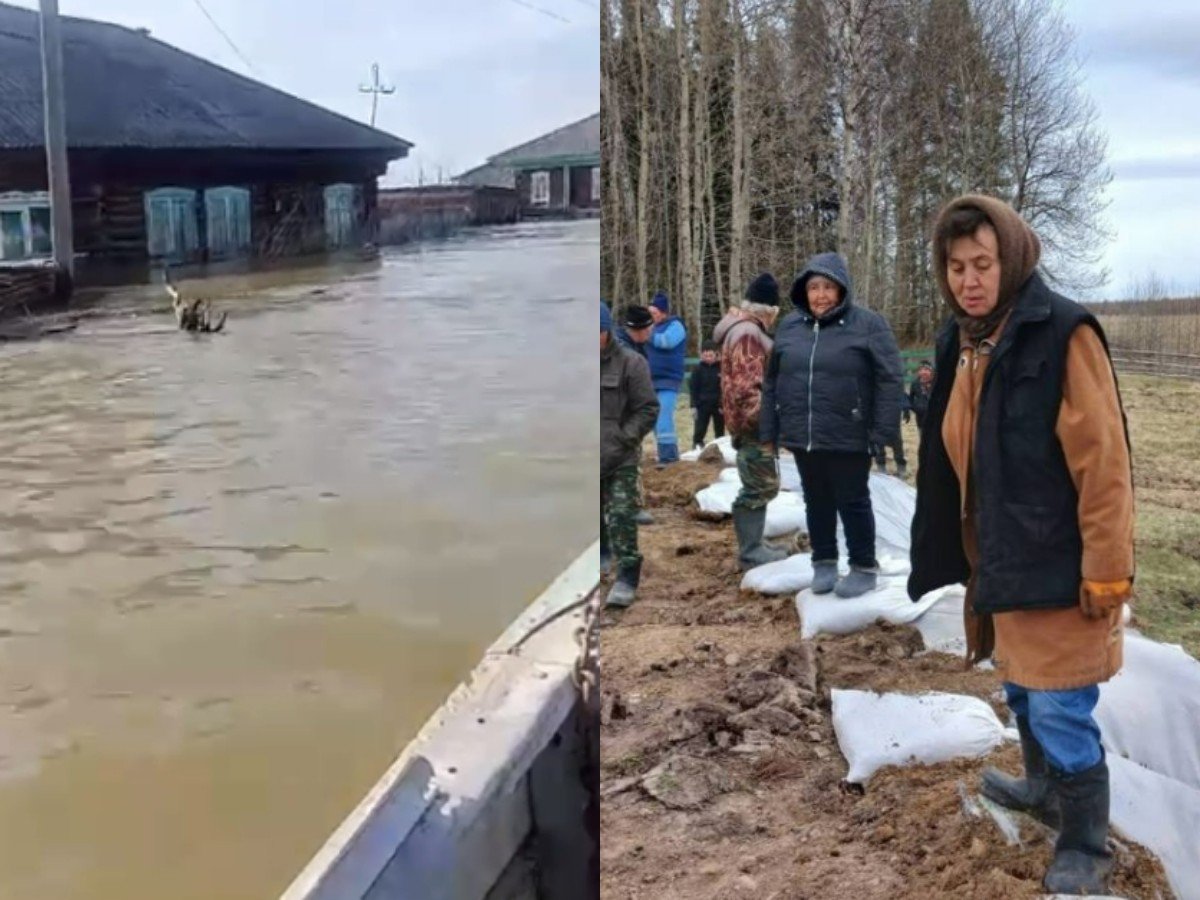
(721, 774)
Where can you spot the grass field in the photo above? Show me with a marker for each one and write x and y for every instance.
(1165, 431)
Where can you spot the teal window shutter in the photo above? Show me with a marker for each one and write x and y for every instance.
(171, 230)
(228, 213)
(339, 215)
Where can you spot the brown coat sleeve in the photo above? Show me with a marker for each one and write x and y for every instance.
(1091, 430)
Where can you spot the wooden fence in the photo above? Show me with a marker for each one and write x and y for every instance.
(1156, 362)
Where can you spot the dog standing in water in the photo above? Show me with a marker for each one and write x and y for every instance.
(196, 315)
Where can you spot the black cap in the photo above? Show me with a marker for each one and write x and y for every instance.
(638, 317)
(764, 289)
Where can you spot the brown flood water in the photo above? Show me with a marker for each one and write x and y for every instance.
(238, 572)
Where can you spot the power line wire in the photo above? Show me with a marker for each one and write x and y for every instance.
(539, 9)
(228, 39)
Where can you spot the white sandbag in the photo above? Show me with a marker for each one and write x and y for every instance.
(727, 451)
(785, 514)
(1163, 815)
(1150, 712)
(784, 577)
(941, 625)
(718, 497)
(789, 475)
(894, 503)
(830, 614)
(877, 730)
(795, 573)
(730, 476)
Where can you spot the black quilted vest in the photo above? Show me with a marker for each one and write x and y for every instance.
(1026, 506)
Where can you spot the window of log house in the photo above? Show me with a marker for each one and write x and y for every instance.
(171, 230)
(25, 226)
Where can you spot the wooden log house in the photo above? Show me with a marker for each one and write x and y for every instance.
(556, 175)
(174, 159)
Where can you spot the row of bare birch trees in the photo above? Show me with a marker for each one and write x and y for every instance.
(745, 135)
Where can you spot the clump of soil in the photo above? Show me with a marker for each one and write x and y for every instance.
(721, 776)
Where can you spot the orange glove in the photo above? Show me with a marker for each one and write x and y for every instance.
(1098, 598)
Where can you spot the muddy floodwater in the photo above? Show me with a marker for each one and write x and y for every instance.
(238, 572)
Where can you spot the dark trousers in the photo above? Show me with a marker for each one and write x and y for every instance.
(705, 413)
(835, 484)
(897, 452)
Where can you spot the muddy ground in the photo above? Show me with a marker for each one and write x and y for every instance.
(721, 774)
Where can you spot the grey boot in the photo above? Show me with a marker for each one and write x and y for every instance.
(901, 471)
(857, 583)
(1032, 794)
(644, 518)
(624, 589)
(748, 524)
(825, 576)
(1082, 863)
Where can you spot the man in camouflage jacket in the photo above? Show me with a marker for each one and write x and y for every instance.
(628, 410)
(745, 349)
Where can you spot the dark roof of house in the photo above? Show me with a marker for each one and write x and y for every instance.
(579, 140)
(127, 89)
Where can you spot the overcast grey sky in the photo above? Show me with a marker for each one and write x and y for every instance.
(472, 77)
(1142, 69)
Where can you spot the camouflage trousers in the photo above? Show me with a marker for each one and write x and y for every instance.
(759, 472)
(619, 506)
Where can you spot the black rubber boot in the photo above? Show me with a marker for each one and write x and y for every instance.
(1032, 794)
(1082, 863)
(624, 589)
(748, 525)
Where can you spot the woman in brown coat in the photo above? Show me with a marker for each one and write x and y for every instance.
(1025, 495)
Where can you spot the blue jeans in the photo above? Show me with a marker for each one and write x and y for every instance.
(1062, 722)
(664, 428)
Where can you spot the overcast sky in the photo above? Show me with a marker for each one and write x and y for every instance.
(472, 77)
(1142, 69)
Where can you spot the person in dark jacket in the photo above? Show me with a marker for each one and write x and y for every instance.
(1025, 494)
(634, 335)
(635, 330)
(666, 352)
(833, 391)
(918, 394)
(628, 408)
(704, 389)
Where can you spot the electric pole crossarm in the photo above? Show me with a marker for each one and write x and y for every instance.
(375, 88)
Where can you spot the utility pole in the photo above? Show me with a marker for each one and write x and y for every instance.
(375, 88)
(56, 145)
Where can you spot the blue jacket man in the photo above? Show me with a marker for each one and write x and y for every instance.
(666, 352)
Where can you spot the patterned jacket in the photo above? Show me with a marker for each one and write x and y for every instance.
(745, 350)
